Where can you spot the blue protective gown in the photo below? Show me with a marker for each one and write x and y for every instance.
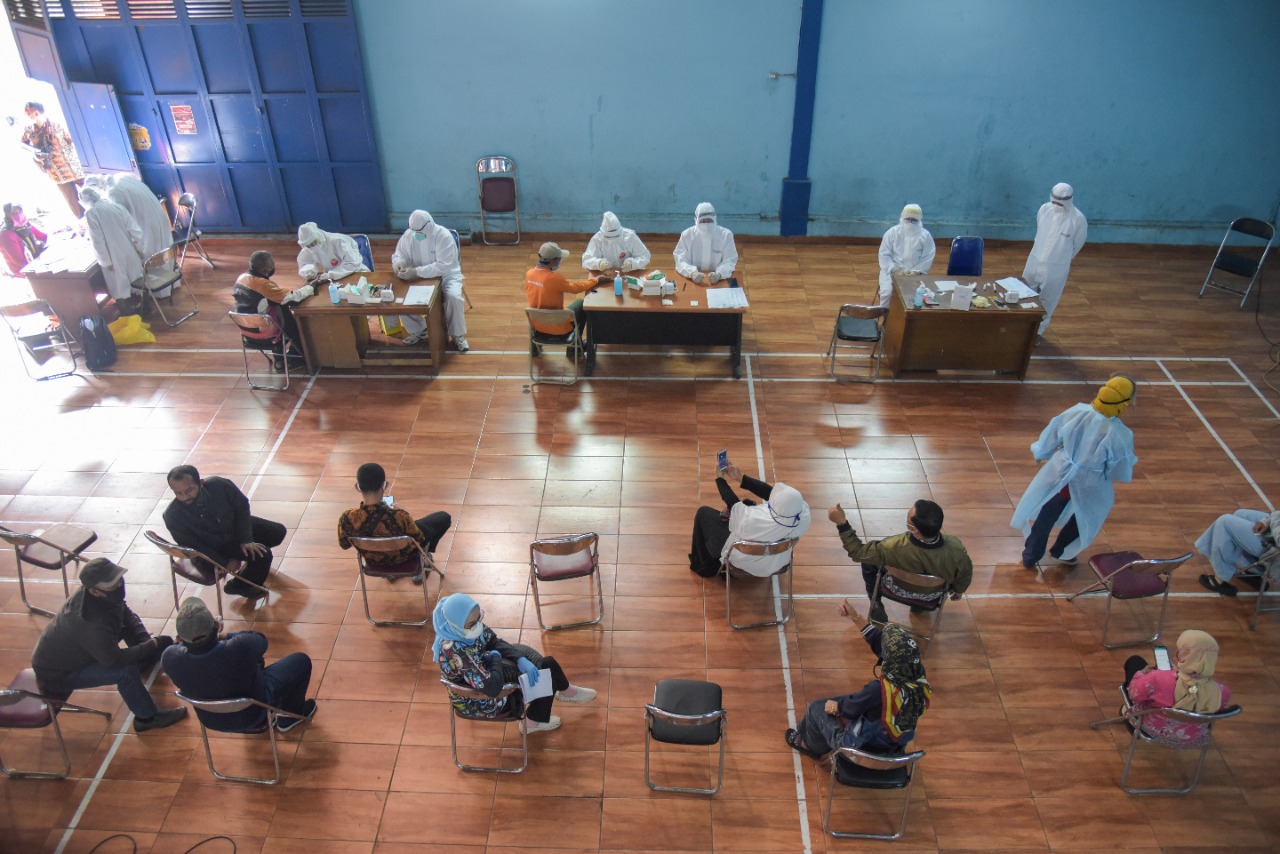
(1088, 451)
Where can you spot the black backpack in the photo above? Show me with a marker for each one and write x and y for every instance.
(99, 346)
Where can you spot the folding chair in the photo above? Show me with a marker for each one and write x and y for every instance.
(260, 332)
(539, 339)
(1269, 566)
(862, 770)
(1128, 575)
(458, 693)
(966, 257)
(39, 335)
(214, 708)
(858, 329)
(889, 585)
(23, 706)
(52, 548)
(685, 711)
(752, 549)
(1243, 266)
(564, 558)
(1142, 731)
(366, 250)
(160, 277)
(196, 566)
(496, 185)
(457, 244)
(185, 233)
(418, 565)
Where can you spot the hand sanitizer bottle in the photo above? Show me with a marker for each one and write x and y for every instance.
(617, 284)
(920, 292)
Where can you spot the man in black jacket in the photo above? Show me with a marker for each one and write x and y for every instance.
(81, 647)
(211, 515)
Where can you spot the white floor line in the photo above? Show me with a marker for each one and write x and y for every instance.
(284, 433)
(1256, 390)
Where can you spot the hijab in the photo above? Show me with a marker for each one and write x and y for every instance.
(904, 690)
(1195, 690)
(1116, 396)
(450, 618)
(788, 508)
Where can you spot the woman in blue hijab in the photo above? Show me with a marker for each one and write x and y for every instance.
(470, 654)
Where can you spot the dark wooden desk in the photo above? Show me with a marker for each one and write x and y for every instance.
(337, 336)
(67, 275)
(635, 319)
(935, 338)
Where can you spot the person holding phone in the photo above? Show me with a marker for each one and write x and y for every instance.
(376, 517)
(784, 515)
(1188, 686)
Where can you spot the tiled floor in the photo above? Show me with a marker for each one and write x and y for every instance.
(1019, 672)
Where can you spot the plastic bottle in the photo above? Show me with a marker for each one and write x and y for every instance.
(617, 284)
(920, 292)
(334, 296)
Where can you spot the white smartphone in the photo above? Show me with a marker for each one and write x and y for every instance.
(389, 501)
(1162, 658)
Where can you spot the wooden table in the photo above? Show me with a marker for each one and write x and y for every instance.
(635, 319)
(337, 336)
(68, 277)
(935, 338)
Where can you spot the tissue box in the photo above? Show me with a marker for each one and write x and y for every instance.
(633, 283)
(652, 289)
(656, 275)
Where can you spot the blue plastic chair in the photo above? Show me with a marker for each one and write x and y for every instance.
(366, 251)
(966, 257)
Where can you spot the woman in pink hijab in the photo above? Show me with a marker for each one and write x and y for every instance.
(1188, 686)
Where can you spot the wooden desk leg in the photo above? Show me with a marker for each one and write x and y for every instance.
(735, 351)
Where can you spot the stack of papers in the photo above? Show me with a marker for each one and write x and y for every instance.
(726, 298)
(944, 286)
(1017, 288)
(419, 295)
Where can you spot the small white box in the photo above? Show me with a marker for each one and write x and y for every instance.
(652, 289)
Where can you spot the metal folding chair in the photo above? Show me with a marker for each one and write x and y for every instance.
(185, 233)
(1243, 265)
(1128, 575)
(419, 565)
(562, 559)
(40, 335)
(23, 706)
(748, 548)
(862, 770)
(270, 714)
(53, 548)
(858, 329)
(463, 692)
(198, 567)
(889, 585)
(689, 712)
(1269, 565)
(260, 332)
(538, 340)
(161, 276)
(496, 185)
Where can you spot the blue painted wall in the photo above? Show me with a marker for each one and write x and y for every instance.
(1158, 111)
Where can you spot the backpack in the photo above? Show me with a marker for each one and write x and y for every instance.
(99, 346)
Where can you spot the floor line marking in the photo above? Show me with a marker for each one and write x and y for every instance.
(1256, 390)
(284, 433)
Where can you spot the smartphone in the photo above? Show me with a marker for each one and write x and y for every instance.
(722, 459)
(733, 282)
(1162, 658)
(389, 501)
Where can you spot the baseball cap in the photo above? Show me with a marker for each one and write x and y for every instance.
(101, 574)
(552, 251)
(194, 620)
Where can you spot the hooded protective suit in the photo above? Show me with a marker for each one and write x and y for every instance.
(117, 242)
(135, 197)
(1061, 230)
(325, 252)
(615, 248)
(426, 251)
(706, 248)
(906, 246)
(784, 516)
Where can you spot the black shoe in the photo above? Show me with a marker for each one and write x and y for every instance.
(573, 351)
(162, 719)
(286, 724)
(1219, 587)
(236, 587)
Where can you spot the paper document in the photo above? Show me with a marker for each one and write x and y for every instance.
(419, 295)
(945, 286)
(961, 297)
(726, 298)
(1016, 287)
(536, 692)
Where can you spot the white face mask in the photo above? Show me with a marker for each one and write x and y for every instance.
(473, 632)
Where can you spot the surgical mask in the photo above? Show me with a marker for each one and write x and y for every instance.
(18, 217)
(473, 632)
(418, 235)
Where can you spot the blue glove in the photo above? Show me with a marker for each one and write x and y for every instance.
(527, 668)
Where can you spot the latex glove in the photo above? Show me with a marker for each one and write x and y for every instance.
(403, 272)
(423, 272)
(308, 271)
(603, 264)
(163, 642)
(631, 264)
(714, 277)
(527, 668)
(698, 278)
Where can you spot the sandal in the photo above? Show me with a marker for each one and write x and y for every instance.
(793, 741)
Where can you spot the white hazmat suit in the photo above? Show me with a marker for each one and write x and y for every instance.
(906, 247)
(323, 252)
(136, 197)
(615, 248)
(1061, 230)
(117, 242)
(426, 250)
(706, 248)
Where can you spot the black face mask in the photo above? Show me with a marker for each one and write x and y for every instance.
(116, 596)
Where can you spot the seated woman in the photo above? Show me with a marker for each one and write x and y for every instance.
(20, 241)
(881, 718)
(470, 654)
(784, 515)
(1188, 686)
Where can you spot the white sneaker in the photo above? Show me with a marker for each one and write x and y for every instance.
(461, 344)
(576, 694)
(529, 726)
(416, 338)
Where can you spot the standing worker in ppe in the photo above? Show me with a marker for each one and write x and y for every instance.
(1061, 230)
(427, 251)
(906, 248)
(706, 250)
(117, 244)
(136, 197)
(615, 248)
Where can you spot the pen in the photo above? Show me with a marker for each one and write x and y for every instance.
(682, 287)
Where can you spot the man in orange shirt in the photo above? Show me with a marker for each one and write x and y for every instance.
(546, 289)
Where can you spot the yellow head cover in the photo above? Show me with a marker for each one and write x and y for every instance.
(1115, 397)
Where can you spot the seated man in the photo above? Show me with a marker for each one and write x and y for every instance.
(546, 288)
(255, 293)
(615, 248)
(706, 250)
(1233, 542)
(212, 516)
(81, 648)
(375, 517)
(208, 665)
(783, 516)
(906, 247)
(923, 550)
(427, 250)
(326, 254)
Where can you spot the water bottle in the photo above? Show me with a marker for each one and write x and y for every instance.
(617, 284)
(334, 296)
(920, 292)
